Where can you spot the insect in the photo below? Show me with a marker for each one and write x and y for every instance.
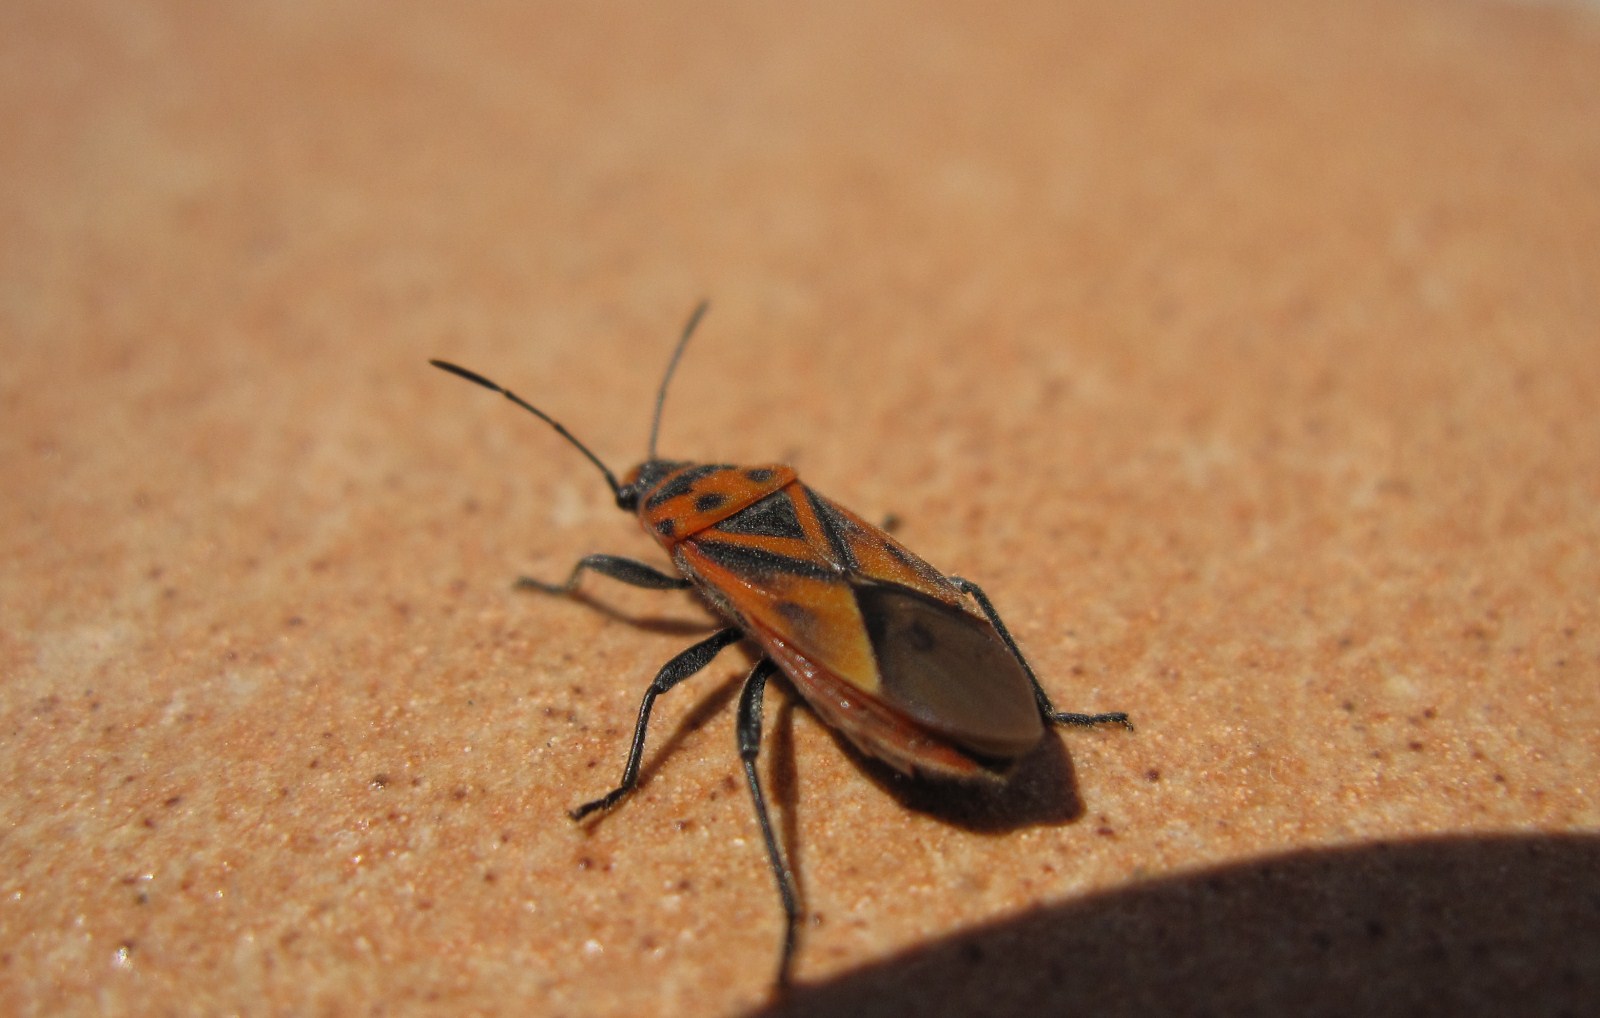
(914, 667)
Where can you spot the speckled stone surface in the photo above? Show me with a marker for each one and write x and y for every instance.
(1247, 353)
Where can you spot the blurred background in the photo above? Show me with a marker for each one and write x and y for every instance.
(1244, 352)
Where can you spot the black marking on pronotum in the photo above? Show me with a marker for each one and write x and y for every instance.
(773, 516)
(709, 501)
(682, 484)
(759, 561)
(666, 527)
(760, 475)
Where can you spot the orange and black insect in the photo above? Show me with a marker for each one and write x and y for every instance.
(913, 666)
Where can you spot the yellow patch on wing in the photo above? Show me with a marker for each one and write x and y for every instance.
(815, 614)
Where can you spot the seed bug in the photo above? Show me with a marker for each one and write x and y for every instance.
(914, 667)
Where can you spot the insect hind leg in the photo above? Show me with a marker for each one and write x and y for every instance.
(1047, 708)
(749, 734)
(626, 570)
(673, 672)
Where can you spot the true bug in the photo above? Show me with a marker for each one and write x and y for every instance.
(913, 666)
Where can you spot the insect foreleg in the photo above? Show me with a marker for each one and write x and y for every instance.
(627, 570)
(749, 733)
(1047, 708)
(672, 673)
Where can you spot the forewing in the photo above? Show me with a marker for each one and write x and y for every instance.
(781, 567)
(867, 552)
(949, 671)
(938, 662)
(860, 609)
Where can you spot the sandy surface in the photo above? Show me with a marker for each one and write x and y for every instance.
(1246, 353)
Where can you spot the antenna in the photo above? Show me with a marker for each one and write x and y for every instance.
(474, 377)
(672, 366)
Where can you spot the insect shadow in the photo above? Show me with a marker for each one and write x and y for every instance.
(664, 625)
(1042, 791)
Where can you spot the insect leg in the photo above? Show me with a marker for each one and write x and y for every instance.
(749, 731)
(672, 673)
(1045, 706)
(635, 574)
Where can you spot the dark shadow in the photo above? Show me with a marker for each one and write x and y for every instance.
(1445, 926)
(784, 781)
(662, 624)
(1040, 792)
(649, 623)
